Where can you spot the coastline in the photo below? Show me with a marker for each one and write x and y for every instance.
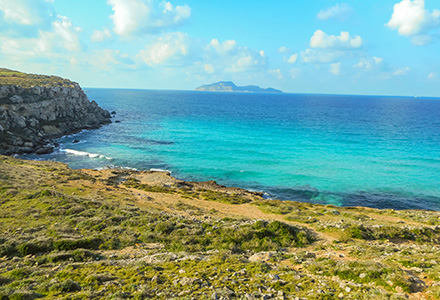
(86, 232)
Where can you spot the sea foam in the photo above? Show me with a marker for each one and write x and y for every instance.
(84, 153)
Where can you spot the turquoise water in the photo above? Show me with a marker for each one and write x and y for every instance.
(342, 150)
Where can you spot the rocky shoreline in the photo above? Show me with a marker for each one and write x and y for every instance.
(31, 116)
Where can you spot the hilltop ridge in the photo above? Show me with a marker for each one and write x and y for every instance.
(229, 86)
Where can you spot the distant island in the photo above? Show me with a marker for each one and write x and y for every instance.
(229, 86)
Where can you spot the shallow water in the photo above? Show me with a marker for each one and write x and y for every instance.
(342, 150)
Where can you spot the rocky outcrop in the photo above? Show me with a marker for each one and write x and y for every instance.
(30, 117)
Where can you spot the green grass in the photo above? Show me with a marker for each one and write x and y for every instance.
(67, 235)
(10, 77)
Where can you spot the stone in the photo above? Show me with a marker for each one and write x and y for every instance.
(261, 256)
(274, 277)
(16, 99)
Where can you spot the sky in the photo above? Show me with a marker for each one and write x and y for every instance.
(375, 47)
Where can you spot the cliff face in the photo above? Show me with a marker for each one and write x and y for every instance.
(30, 116)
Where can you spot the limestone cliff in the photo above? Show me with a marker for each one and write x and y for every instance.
(34, 109)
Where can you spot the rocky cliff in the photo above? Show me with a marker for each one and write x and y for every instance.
(34, 109)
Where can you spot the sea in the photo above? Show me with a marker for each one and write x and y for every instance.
(344, 150)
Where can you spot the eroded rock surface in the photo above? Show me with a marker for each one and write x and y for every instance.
(30, 117)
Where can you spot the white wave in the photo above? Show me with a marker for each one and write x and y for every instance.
(160, 170)
(84, 153)
(117, 168)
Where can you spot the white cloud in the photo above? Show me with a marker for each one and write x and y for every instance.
(322, 56)
(64, 35)
(132, 17)
(369, 64)
(276, 73)
(57, 46)
(335, 68)
(284, 50)
(229, 57)
(106, 59)
(225, 47)
(169, 49)
(401, 71)
(292, 59)
(101, 35)
(432, 76)
(338, 11)
(411, 17)
(25, 12)
(421, 40)
(321, 40)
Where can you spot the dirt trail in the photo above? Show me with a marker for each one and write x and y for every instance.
(167, 202)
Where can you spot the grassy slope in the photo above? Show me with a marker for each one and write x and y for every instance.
(10, 77)
(70, 234)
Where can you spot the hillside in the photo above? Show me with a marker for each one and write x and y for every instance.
(229, 86)
(118, 234)
(34, 109)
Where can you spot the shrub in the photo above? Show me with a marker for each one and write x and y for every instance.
(35, 247)
(67, 286)
(72, 244)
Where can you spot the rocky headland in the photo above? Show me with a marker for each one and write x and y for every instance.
(34, 109)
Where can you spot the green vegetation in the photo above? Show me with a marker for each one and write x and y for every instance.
(10, 77)
(71, 234)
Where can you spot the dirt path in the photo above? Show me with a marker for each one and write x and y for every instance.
(167, 203)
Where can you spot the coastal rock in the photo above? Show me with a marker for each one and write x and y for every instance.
(31, 116)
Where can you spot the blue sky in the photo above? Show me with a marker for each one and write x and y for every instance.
(385, 47)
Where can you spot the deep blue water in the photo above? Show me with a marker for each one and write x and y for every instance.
(344, 150)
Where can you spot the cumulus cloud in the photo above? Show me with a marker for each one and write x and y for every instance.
(169, 49)
(57, 45)
(106, 59)
(292, 59)
(369, 64)
(64, 35)
(335, 68)
(131, 17)
(338, 11)
(277, 73)
(284, 50)
(25, 12)
(101, 35)
(410, 18)
(289, 56)
(229, 57)
(322, 40)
